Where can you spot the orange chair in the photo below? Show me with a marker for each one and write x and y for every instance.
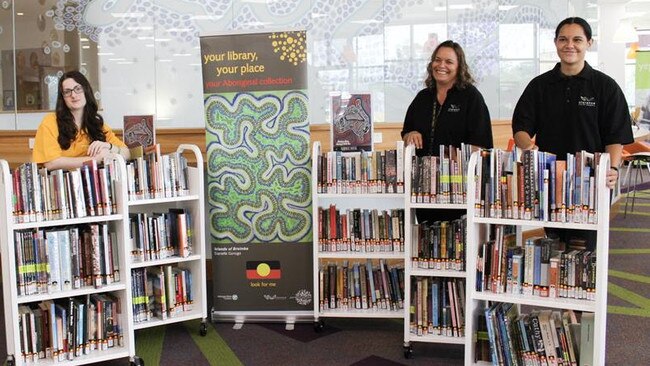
(636, 154)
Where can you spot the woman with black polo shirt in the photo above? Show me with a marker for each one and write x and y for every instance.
(574, 107)
(449, 111)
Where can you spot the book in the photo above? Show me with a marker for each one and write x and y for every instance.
(139, 131)
(587, 323)
(54, 282)
(547, 330)
(90, 179)
(65, 260)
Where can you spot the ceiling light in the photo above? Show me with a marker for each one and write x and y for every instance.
(256, 24)
(461, 6)
(367, 21)
(127, 15)
(204, 17)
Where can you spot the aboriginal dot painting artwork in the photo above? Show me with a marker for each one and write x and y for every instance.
(259, 178)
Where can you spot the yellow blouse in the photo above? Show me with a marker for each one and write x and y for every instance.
(46, 145)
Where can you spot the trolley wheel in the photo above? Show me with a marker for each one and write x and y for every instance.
(203, 330)
(318, 326)
(137, 361)
(408, 352)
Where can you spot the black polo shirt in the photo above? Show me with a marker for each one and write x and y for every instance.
(464, 118)
(566, 114)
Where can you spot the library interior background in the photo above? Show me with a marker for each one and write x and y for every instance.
(148, 58)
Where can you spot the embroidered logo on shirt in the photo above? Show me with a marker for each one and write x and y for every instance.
(587, 101)
(454, 108)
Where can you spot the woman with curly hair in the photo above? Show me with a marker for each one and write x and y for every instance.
(450, 110)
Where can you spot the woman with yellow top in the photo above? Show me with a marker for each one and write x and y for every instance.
(76, 132)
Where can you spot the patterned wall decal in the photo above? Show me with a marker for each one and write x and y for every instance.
(266, 163)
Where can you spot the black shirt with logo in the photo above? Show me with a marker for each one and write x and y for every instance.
(463, 118)
(566, 114)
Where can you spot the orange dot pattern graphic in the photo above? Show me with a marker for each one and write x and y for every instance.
(290, 46)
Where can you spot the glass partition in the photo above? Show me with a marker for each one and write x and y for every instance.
(7, 76)
(143, 57)
(40, 40)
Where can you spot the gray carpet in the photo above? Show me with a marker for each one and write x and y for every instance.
(628, 318)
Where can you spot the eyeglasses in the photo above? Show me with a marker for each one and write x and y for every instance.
(77, 90)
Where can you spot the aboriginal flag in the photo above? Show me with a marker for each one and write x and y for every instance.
(263, 270)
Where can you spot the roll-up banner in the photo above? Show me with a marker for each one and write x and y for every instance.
(258, 172)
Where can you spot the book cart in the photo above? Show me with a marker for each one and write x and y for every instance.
(434, 284)
(58, 308)
(520, 303)
(166, 201)
(356, 275)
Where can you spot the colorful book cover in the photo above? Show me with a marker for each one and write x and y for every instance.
(139, 131)
(351, 122)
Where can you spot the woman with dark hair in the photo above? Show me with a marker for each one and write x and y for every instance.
(449, 111)
(76, 132)
(573, 108)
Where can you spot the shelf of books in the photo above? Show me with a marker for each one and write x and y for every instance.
(435, 273)
(358, 220)
(535, 299)
(167, 237)
(63, 264)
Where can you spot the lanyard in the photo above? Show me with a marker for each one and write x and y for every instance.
(434, 119)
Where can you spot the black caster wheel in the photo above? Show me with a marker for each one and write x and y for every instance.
(204, 329)
(318, 326)
(408, 352)
(10, 361)
(137, 361)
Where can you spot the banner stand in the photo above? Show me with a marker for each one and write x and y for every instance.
(258, 176)
(240, 318)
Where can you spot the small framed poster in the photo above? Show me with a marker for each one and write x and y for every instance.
(139, 131)
(351, 122)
